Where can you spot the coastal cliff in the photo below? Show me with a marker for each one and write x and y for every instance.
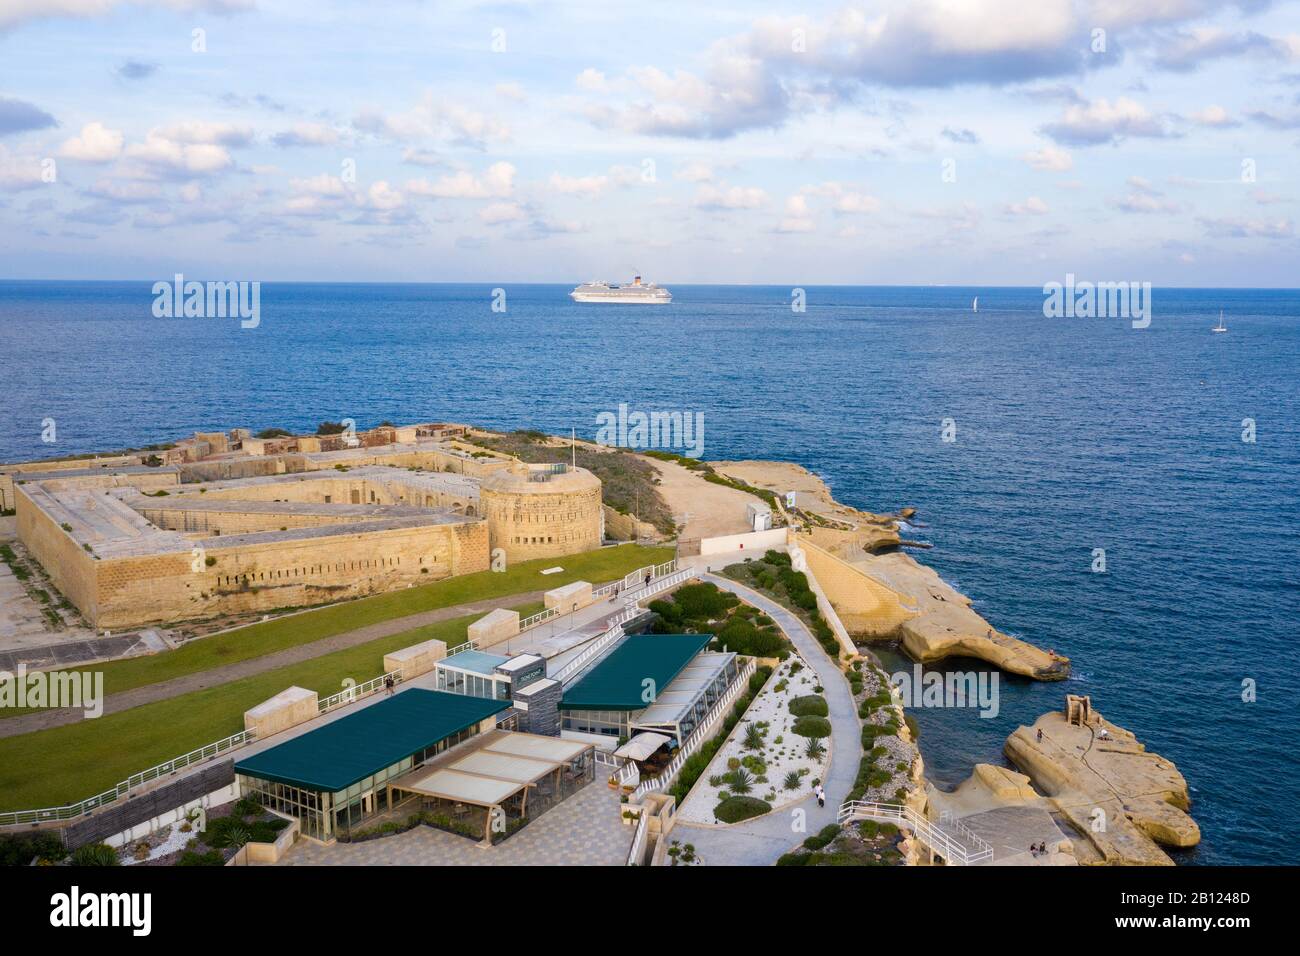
(1124, 801)
(888, 596)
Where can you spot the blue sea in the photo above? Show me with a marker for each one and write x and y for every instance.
(1071, 435)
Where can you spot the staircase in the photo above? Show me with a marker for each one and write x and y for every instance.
(953, 840)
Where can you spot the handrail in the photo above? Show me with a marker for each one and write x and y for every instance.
(358, 691)
(591, 650)
(928, 832)
(692, 742)
(73, 810)
(638, 841)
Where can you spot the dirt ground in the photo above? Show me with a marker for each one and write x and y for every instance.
(706, 509)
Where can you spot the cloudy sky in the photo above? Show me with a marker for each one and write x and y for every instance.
(936, 141)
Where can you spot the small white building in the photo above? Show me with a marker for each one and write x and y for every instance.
(759, 516)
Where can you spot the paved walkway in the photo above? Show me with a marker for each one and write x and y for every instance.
(215, 676)
(760, 841)
(585, 830)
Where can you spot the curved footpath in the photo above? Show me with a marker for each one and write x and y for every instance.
(214, 676)
(760, 841)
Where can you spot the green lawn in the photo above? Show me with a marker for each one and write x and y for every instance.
(65, 764)
(256, 640)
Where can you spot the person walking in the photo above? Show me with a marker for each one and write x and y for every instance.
(388, 684)
(648, 575)
(821, 796)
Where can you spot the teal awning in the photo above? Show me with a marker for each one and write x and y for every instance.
(619, 681)
(337, 755)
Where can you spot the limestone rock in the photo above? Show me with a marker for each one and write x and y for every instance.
(1121, 799)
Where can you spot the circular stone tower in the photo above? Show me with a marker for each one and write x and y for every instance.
(542, 511)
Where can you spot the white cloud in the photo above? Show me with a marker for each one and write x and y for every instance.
(593, 81)
(1049, 159)
(19, 172)
(498, 213)
(96, 144)
(1214, 116)
(16, 12)
(1032, 206)
(1101, 121)
(496, 182)
(307, 134)
(578, 185)
(732, 197)
(434, 119)
(695, 172)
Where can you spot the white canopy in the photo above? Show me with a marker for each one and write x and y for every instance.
(642, 745)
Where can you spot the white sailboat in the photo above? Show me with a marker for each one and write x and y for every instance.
(1220, 327)
(975, 306)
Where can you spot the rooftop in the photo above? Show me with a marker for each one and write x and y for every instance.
(617, 682)
(339, 754)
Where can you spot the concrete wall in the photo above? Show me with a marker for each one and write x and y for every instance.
(493, 628)
(757, 541)
(863, 604)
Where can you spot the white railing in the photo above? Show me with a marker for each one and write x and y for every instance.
(358, 691)
(607, 760)
(627, 773)
(953, 851)
(638, 841)
(534, 619)
(74, 810)
(461, 649)
(698, 735)
(585, 656)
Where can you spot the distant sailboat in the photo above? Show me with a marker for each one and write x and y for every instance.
(1220, 327)
(975, 306)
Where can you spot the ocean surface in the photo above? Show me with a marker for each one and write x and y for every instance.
(1072, 434)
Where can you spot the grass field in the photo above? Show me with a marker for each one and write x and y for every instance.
(268, 637)
(65, 764)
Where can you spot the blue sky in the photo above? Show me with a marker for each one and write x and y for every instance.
(937, 141)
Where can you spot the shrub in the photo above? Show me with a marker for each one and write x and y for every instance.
(740, 781)
(811, 705)
(812, 726)
(753, 737)
(207, 858)
(794, 859)
(20, 849)
(814, 749)
(703, 601)
(735, 809)
(823, 837)
(792, 779)
(95, 854)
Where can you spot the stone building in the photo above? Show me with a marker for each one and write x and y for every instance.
(542, 511)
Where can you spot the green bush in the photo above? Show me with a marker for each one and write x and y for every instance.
(703, 601)
(20, 849)
(794, 859)
(207, 858)
(810, 705)
(823, 837)
(95, 854)
(812, 726)
(735, 809)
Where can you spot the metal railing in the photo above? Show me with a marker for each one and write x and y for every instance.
(461, 649)
(541, 616)
(358, 691)
(698, 735)
(74, 810)
(638, 841)
(940, 842)
(571, 669)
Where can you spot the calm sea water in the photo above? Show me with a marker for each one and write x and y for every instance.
(1072, 434)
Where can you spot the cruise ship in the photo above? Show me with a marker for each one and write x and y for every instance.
(635, 294)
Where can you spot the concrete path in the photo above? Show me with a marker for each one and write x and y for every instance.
(760, 841)
(584, 830)
(215, 676)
